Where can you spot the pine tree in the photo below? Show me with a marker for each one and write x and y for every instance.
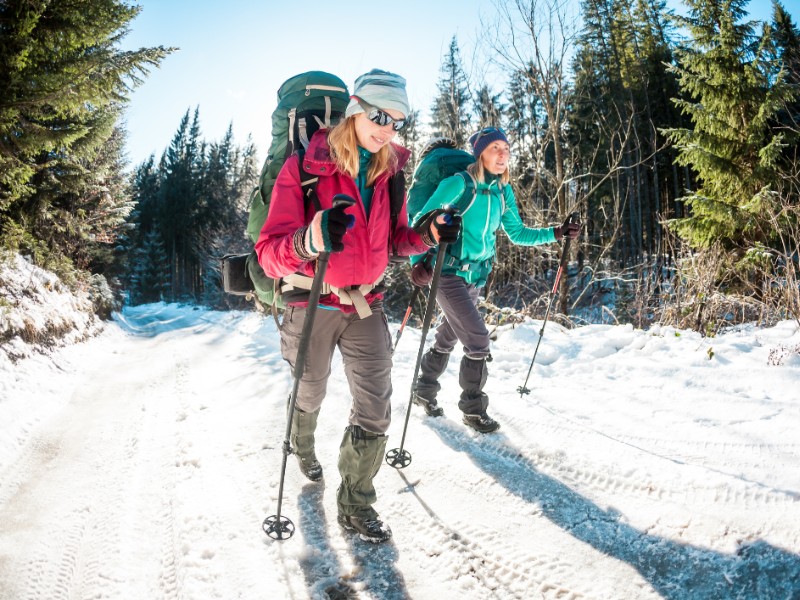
(733, 93)
(622, 95)
(786, 40)
(489, 108)
(63, 81)
(149, 279)
(195, 204)
(101, 210)
(450, 111)
(410, 138)
(523, 131)
(180, 204)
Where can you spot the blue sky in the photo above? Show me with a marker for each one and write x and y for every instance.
(235, 54)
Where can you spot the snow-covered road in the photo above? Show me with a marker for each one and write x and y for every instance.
(658, 464)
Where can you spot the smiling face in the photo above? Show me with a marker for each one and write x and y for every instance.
(371, 136)
(495, 157)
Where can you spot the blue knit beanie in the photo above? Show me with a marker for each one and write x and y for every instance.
(480, 139)
(381, 89)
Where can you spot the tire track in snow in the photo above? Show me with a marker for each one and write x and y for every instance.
(476, 552)
(90, 518)
(739, 493)
(83, 556)
(647, 548)
(675, 445)
(168, 576)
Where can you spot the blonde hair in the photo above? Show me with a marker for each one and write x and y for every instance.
(477, 171)
(344, 149)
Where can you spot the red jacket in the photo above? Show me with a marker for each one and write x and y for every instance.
(366, 245)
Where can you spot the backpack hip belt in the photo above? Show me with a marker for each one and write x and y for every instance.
(352, 295)
(465, 265)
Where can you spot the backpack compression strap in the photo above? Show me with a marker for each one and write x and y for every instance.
(308, 183)
(301, 120)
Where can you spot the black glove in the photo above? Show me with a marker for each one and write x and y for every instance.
(421, 274)
(439, 227)
(570, 228)
(447, 228)
(326, 230)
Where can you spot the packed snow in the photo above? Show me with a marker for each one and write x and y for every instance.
(140, 464)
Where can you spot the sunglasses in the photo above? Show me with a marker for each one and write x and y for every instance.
(380, 117)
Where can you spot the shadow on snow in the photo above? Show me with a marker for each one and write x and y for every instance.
(675, 570)
(375, 564)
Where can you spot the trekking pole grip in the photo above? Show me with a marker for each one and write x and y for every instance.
(343, 200)
(573, 218)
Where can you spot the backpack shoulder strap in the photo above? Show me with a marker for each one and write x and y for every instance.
(470, 190)
(308, 183)
(397, 192)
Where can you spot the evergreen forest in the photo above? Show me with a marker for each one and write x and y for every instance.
(675, 138)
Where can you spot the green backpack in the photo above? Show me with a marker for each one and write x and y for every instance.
(306, 102)
(440, 159)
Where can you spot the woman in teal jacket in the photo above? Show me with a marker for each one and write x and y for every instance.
(467, 265)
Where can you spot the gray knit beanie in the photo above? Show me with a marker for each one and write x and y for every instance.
(381, 89)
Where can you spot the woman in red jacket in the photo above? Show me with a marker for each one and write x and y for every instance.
(357, 158)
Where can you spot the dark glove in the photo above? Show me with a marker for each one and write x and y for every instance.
(421, 274)
(439, 227)
(326, 230)
(570, 228)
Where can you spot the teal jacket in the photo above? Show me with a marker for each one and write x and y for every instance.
(494, 206)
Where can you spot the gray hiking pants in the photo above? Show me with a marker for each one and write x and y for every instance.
(366, 349)
(462, 322)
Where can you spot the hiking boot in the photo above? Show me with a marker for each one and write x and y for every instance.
(374, 530)
(481, 422)
(310, 467)
(432, 409)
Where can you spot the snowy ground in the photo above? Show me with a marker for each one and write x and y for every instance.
(644, 464)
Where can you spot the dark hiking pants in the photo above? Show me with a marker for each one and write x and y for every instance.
(462, 323)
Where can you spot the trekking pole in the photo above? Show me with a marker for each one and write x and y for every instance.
(276, 526)
(523, 389)
(397, 457)
(414, 294)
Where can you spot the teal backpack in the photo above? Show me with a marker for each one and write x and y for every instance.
(306, 102)
(440, 159)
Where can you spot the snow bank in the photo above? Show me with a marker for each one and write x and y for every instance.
(38, 312)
